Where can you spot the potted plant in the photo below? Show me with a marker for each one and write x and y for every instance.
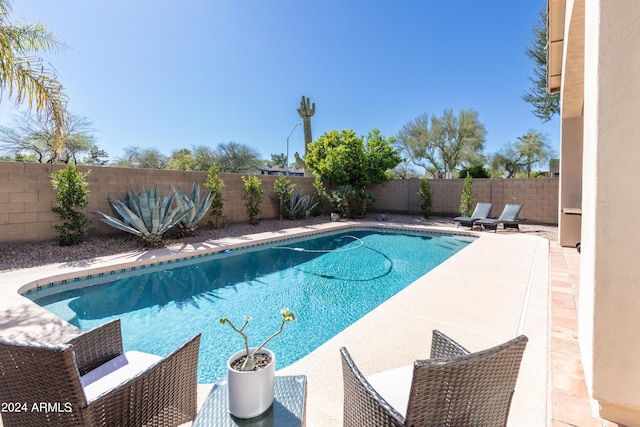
(251, 372)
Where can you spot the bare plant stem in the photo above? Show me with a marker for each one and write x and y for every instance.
(270, 338)
(244, 336)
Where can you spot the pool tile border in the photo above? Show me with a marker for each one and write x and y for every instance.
(218, 247)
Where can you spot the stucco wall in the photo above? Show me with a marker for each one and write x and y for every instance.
(569, 225)
(539, 196)
(26, 196)
(609, 292)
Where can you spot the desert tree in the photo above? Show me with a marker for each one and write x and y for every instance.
(443, 143)
(404, 170)
(96, 157)
(203, 157)
(531, 149)
(506, 163)
(236, 157)
(34, 135)
(136, 157)
(534, 149)
(278, 160)
(180, 160)
(196, 158)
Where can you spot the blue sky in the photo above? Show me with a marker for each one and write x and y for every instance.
(170, 75)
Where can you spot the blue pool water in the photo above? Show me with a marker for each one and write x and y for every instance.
(329, 281)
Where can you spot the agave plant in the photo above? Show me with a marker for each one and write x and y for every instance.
(195, 207)
(299, 205)
(145, 215)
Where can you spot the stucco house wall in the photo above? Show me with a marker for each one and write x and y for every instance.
(600, 148)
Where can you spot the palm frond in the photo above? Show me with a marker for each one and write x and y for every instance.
(24, 76)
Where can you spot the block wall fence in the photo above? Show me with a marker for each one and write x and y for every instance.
(26, 196)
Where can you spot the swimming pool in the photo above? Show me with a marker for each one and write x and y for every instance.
(329, 281)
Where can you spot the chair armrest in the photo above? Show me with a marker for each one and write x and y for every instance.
(97, 346)
(363, 406)
(168, 390)
(443, 347)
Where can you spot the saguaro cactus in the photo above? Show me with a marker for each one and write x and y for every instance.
(306, 111)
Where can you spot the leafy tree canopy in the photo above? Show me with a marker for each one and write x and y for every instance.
(475, 171)
(203, 157)
(344, 158)
(531, 149)
(96, 157)
(505, 163)
(443, 143)
(180, 160)
(198, 158)
(148, 158)
(235, 157)
(279, 160)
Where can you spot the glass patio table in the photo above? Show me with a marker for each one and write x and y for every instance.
(290, 395)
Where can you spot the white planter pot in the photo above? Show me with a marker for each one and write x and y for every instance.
(251, 392)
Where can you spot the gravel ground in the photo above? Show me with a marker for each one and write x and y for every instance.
(15, 256)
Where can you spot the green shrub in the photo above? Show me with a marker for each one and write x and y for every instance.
(283, 189)
(467, 200)
(253, 195)
(424, 193)
(350, 201)
(344, 158)
(71, 195)
(215, 184)
(320, 192)
(477, 171)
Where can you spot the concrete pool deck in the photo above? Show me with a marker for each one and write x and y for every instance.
(491, 291)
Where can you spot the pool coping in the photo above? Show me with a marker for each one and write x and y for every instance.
(46, 327)
(185, 255)
(515, 288)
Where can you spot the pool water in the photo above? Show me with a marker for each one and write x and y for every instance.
(329, 281)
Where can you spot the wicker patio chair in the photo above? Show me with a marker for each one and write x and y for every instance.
(89, 381)
(481, 211)
(453, 388)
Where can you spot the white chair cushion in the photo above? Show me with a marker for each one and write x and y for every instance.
(394, 386)
(115, 372)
